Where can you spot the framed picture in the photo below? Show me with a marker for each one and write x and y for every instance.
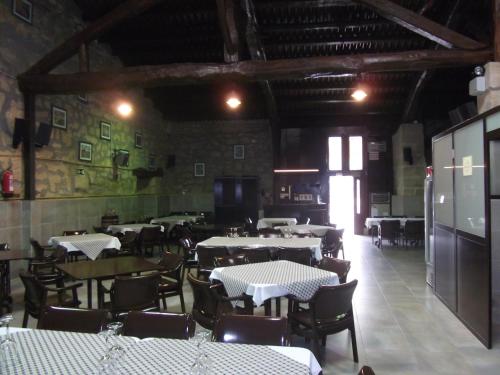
(85, 151)
(152, 161)
(239, 152)
(199, 169)
(59, 119)
(138, 140)
(23, 9)
(105, 130)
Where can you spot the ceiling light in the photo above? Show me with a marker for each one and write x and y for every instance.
(233, 102)
(124, 109)
(359, 95)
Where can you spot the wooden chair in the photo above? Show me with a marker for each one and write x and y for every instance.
(142, 325)
(254, 255)
(188, 249)
(333, 243)
(330, 311)
(206, 256)
(249, 329)
(388, 230)
(171, 278)
(73, 320)
(230, 260)
(414, 232)
(297, 255)
(149, 239)
(339, 266)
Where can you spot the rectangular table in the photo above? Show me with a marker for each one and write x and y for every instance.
(122, 228)
(176, 220)
(267, 222)
(90, 244)
(375, 221)
(256, 242)
(317, 230)
(62, 353)
(273, 279)
(103, 269)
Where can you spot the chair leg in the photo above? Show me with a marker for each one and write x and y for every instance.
(183, 306)
(323, 340)
(25, 319)
(267, 307)
(354, 344)
(278, 306)
(164, 302)
(316, 347)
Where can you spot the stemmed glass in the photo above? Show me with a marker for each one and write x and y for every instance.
(109, 362)
(8, 347)
(202, 363)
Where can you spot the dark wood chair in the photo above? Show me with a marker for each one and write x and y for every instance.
(414, 232)
(74, 232)
(128, 241)
(133, 293)
(254, 255)
(36, 295)
(339, 266)
(73, 320)
(45, 268)
(330, 311)
(333, 243)
(270, 232)
(171, 278)
(142, 324)
(206, 256)
(389, 230)
(211, 301)
(188, 248)
(230, 260)
(366, 370)
(149, 239)
(297, 255)
(249, 329)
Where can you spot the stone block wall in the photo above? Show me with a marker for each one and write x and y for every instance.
(408, 178)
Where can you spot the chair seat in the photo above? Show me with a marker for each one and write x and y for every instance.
(66, 300)
(167, 285)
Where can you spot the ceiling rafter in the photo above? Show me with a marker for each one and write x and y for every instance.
(227, 23)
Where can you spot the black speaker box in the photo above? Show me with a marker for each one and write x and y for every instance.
(170, 161)
(43, 134)
(17, 137)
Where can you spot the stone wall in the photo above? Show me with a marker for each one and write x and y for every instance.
(408, 178)
(212, 143)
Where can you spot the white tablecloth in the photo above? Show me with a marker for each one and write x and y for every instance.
(62, 353)
(273, 279)
(312, 243)
(375, 221)
(267, 222)
(90, 244)
(176, 220)
(317, 230)
(122, 228)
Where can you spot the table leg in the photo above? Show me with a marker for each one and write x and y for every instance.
(267, 307)
(100, 294)
(89, 293)
(278, 307)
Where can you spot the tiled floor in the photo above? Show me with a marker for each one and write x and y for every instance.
(402, 328)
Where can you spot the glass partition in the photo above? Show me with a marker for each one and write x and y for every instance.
(443, 180)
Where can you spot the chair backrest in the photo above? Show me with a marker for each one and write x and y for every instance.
(304, 220)
(250, 329)
(150, 235)
(204, 301)
(297, 255)
(73, 320)
(128, 238)
(135, 293)
(60, 254)
(339, 266)
(333, 237)
(389, 228)
(37, 249)
(230, 260)
(255, 255)
(35, 293)
(413, 227)
(155, 324)
(74, 232)
(331, 301)
(172, 265)
(207, 254)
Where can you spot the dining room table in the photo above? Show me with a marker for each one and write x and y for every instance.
(315, 230)
(6, 256)
(91, 245)
(270, 222)
(105, 269)
(122, 228)
(273, 279)
(232, 243)
(174, 220)
(61, 353)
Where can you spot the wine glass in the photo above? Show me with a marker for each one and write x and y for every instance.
(202, 363)
(8, 347)
(109, 362)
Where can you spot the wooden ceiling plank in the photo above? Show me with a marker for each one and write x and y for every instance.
(227, 23)
(71, 46)
(185, 74)
(421, 25)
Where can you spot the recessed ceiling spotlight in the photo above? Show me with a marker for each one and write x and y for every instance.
(124, 109)
(359, 95)
(233, 102)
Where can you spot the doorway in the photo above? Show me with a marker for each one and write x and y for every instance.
(342, 202)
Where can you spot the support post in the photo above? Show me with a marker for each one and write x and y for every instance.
(29, 146)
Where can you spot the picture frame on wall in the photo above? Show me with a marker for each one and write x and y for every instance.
(138, 140)
(85, 151)
(106, 130)
(239, 152)
(23, 9)
(199, 169)
(59, 118)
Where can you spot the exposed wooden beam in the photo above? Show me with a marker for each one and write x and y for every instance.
(29, 146)
(421, 25)
(497, 29)
(69, 47)
(272, 5)
(84, 58)
(184, 74)
(225, 13)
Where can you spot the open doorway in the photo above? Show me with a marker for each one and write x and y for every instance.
(342, 202)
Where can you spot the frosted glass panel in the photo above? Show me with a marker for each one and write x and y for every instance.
(495, 167)
(493, 122)
(355, 153)
(443, 180)
(335, 153)
(469, 179)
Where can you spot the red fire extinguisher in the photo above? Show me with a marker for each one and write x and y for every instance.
(8, 183)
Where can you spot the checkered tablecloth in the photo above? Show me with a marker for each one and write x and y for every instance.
(267, 222)
(66, 353)
(122, 228)
(90, 244)
(256, 242)
(273, 279)
(175, 220)
(317, 230)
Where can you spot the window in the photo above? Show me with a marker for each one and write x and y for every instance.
(335, 153)
(355, 153)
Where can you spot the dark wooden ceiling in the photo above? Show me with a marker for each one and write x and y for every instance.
(179, 31)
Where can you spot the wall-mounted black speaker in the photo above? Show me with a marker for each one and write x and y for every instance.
(170, 161)
(407, 155)
(43, 134)
(19, 126)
